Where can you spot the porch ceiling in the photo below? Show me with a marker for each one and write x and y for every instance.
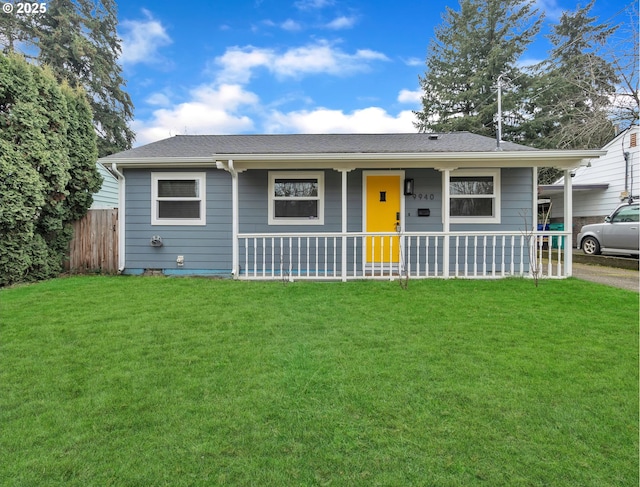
(558, 189)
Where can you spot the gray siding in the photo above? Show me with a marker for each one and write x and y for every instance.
(107, 197)
(254, 202)
(428, 195)
(205, 248)
(517, 201)
(209, 248)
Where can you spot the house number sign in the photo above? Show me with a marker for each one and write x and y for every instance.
(426, 196)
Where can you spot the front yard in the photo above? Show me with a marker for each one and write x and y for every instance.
(155, 381)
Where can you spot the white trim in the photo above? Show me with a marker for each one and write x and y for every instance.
(343, 260)
(446, 222)
(496, 197)
(534, 202)
(563, 159)
(235, 218)
(318, 175)
(568, 224)
(200, 177)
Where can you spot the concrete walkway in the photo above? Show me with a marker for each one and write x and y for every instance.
(611, 276)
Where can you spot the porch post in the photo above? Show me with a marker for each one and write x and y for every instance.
(568, 224)
(446, 203)
(343, 266)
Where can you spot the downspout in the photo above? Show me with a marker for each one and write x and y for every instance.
(121, 216)
(626, 173)
(235, 226)
(625, 155)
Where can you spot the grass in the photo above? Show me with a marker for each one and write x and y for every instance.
(114, 381)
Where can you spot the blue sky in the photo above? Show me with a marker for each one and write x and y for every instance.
(285, 66)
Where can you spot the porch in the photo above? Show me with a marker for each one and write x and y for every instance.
(415, 255)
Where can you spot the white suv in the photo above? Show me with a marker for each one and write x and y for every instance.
(617, 235)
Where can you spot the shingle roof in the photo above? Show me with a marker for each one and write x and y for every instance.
(208, 145)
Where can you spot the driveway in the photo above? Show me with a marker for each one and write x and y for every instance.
(611, 276)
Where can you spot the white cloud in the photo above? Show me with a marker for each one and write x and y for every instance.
(158, 99)
(141, 39)
(313, 4)
(210, 110)
(323, 120)
(291, 25)
(408, 96)
(225, 106)
(238, 63)
(342, 22)
(214, 110)
(414, 61)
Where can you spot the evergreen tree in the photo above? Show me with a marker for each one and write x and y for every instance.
(47, 169)
(17, 30)
(474, 46)
(571, 98)
(84, 178)
(77, 39)
(22, 189)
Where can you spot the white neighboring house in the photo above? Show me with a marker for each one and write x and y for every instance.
(602, 185)
(107, 197)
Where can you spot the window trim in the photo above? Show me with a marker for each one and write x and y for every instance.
(497, 195)
(273, 175)
(200, 177)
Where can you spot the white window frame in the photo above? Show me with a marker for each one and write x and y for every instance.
(200, 177)
(496, 196)
(319, 175)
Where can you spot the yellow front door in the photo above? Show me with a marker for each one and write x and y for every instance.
(383, 215)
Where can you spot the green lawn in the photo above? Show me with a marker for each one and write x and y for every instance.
(174, 382)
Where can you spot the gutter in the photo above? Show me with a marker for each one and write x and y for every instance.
(121, 216)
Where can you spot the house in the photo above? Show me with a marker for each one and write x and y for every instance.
(600, 186)
(334, 206)
(107, 197)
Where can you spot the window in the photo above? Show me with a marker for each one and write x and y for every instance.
(296, 198)
(178, 199)
(475, 196)
(626, 214)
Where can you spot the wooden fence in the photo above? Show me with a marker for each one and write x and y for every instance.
(94, 247)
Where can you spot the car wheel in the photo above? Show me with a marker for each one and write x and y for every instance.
(591, 246)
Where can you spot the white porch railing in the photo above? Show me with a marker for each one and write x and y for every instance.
(416, 255)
